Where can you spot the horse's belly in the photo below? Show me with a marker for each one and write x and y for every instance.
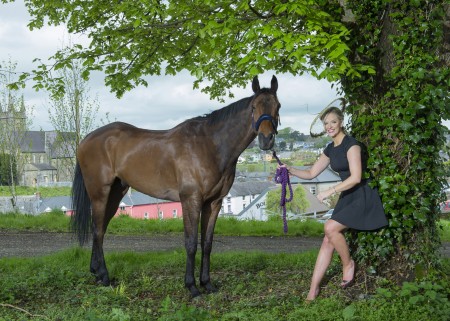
(156, 191)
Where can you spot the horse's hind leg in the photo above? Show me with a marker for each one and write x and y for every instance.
(103, 210)
(208, 221)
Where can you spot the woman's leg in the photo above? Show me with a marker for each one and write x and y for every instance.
(334, 240)
(334, 232)
(322, 263)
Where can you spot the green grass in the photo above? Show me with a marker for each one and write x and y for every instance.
(28, 190)
(49, 222)
(252, 286)
(445, 230)
(124, 225)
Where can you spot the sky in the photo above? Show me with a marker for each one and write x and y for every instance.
(167, 101)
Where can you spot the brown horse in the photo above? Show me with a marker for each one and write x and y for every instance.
(193, 163)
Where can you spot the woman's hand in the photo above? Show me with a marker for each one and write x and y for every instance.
(325, 194)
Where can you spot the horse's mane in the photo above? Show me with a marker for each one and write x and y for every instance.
(226, 112)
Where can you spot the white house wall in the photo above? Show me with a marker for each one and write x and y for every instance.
(255, 207)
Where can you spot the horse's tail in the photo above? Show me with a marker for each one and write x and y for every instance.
(81, 222)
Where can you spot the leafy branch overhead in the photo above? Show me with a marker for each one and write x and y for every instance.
(223, 42)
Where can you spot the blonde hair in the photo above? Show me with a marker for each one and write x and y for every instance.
(333, 110)
(338, 112)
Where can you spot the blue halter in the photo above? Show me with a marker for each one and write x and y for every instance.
(262, 118)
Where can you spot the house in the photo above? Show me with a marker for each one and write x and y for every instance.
(242, 194)
(253, 176)
(38, 174)
(256, 209)
(139, 205)
(247, 196)
(325, 180)
(46, 156)
(49, 157)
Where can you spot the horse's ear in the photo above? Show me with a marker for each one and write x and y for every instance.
(274, 84)
(255, 84)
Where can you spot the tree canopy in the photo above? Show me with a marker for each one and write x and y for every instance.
(226, 42)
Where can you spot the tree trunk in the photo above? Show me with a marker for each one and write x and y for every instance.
(397, 113)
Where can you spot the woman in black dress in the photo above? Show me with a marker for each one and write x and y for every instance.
(359, 206)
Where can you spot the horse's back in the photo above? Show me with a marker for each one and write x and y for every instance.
(111, 129)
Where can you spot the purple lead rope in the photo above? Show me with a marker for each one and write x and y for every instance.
(282, 177)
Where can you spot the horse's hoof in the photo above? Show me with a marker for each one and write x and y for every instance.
(209, 288)
(102, 281)
(194, 291)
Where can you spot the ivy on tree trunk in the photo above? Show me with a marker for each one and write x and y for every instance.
(398, 113)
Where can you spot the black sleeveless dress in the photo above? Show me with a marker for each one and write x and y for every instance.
(360, 207)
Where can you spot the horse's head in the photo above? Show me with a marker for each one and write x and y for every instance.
(265, 113)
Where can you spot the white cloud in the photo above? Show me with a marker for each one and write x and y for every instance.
(167, 101)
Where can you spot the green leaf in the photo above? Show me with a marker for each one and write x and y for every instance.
(349, 312)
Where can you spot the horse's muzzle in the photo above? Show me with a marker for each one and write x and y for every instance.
(266, 142)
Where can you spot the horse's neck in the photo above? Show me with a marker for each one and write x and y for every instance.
(239, 134)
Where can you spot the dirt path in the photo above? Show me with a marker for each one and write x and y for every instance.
(29, 244)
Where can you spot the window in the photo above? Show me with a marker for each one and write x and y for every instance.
(146, 215)
(243, 206)
(174, 213)
(229, 208)
(122, 208)
(160, 215)
(228, 199)
(243, 198)
(312, 189)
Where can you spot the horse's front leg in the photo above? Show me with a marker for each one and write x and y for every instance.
(191, 212)
(210, 213)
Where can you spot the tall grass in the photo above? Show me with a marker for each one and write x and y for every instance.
(252, 286)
